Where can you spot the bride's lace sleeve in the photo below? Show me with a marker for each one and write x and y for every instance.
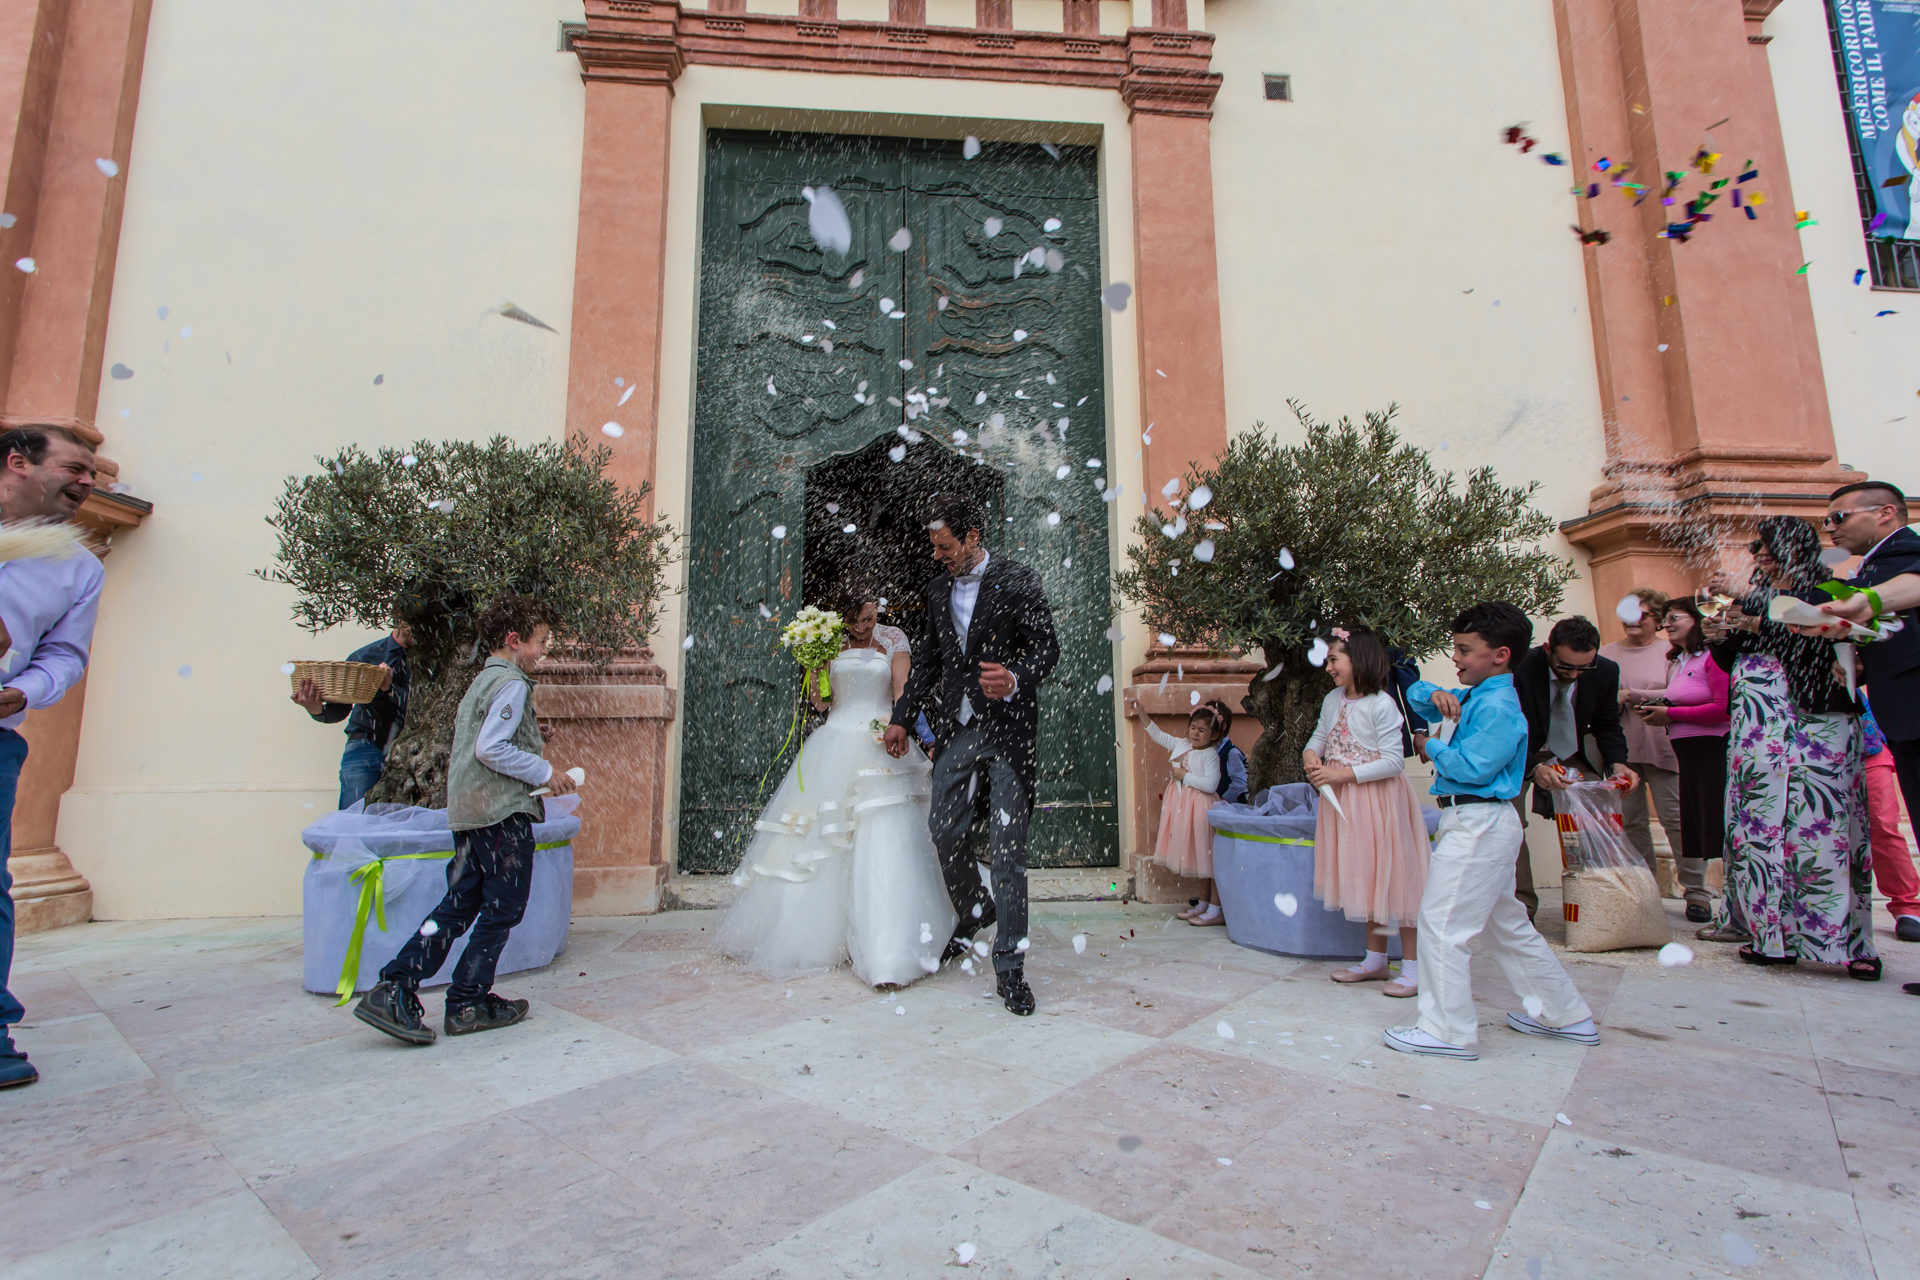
(893, 640)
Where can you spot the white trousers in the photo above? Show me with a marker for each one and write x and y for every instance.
(1470, 895)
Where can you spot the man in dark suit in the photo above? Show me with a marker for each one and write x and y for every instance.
(1869, 519)
(1568, 693)
(977, 674)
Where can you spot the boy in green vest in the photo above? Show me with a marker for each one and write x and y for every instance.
(495, 767)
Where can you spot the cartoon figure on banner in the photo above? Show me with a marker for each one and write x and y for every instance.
(1906, 148)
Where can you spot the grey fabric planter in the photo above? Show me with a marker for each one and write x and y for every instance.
(1263, 863)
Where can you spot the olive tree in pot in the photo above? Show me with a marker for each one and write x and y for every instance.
(435, 531)
(1274, 544)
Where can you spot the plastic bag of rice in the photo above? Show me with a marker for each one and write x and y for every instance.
(1611, 908)
(1608, 896)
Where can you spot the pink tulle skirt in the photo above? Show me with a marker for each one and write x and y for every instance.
(1372, 864)
(1185, 846)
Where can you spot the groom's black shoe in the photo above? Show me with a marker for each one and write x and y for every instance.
(957, 949)
(960, 946)
(1016, 993)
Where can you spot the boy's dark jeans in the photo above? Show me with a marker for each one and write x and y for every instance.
(487, 884)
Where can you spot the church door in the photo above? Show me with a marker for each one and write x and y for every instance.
(836, 391)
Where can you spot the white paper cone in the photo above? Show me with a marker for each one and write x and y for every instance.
(1326, 792)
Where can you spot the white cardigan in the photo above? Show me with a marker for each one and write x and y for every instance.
(1203, 763)
(1375, 724)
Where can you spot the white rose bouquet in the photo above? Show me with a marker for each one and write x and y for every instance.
(815, 638)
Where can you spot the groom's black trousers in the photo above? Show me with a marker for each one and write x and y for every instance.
(966, 765)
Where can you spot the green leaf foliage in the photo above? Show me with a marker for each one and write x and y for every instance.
(436, 531)
(1378, 536)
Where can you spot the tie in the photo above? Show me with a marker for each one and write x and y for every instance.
(1562, 738)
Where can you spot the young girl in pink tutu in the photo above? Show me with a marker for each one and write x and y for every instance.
(1185, 846)
(1372, 862)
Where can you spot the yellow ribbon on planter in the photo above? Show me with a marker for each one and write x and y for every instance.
(1240, 835)
(372, 878)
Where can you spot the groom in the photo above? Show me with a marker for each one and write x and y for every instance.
(977, 675)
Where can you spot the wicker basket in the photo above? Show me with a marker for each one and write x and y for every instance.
(355, 682)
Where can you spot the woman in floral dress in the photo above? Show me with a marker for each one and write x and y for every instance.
(1798, 863)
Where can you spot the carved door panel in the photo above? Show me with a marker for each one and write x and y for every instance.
(800, 364)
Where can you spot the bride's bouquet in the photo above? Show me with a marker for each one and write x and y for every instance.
(815, 638)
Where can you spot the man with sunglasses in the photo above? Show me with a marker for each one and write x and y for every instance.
(1569, 693)
(1869, 519)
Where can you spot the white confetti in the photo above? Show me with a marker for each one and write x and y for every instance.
(906, 364)
(898, 453)
(771, 389)
(1053, 517)
(1481, 1204)
(1426, 1106)
(1193, 699)
(1738, 1251)
(1629, 610)
(827, 221)
(1201, 496)
(1079, 944)
(1062, 471)
(1223, 1029)
(967, 965)
(1533, 1006)
(857, 279)
(992, 227)
(107, 167)
(1561, 1117)
(408, 460)
(900, 1010)
(1019, 335)
(687, 643)
(1105, 685)
(833, 508)
(1286, 558)
(1022, 945)
(901, 241)
(897, 314)
(1317, 652)
(964, 1251)
(1834, 557)
(1114, 634)
(1222, 1160)
(1274, 674)
(1170, 488)
(8, 219)
(24, 264)
(970, 148)
(612, 430)
(848, 528)
(940, 303)
(287, 669)
(1051, 225)
(980, 947)
(976, 911)
(779, 531)
(1287, 903)
(430, 928)
(1050, 149)
(1675, 954)
(1204, 551)
(1661, 347)
(926, 933)
(628, 393)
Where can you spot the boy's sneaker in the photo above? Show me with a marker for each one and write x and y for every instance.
(15, 1070)
(1412, 1039)
(394, 1009)
(1581, 1032)
(489, 1013)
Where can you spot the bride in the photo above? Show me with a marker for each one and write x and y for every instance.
(841, 865)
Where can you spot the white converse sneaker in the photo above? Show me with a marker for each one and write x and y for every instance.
(1581, 1032)
(1413, 1040)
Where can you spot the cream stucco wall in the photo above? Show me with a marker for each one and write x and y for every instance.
(321, 194)
(1872, 363)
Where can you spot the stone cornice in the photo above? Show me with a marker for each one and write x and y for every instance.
(652, 41)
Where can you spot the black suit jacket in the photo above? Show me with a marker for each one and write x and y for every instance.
(1013, 626)
(1890, 668)
(1596, 712)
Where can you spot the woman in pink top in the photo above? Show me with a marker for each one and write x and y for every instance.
(1696, 720)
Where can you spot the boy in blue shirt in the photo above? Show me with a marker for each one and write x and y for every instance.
(1470, 874)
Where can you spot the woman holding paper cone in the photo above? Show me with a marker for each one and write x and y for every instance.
(1370, 841)
(1799, 872)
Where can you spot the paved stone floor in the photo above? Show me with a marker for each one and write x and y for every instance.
(665, 1114)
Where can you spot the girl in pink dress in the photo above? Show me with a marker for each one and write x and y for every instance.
(1369, 853)
(1185, 846)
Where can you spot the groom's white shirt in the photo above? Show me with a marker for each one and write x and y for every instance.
(966, 594)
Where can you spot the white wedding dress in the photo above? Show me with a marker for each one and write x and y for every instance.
(841, 865)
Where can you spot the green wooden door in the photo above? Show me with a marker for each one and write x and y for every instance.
(835, 392)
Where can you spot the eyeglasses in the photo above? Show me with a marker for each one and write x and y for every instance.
(1558, 665)
(1834, 519)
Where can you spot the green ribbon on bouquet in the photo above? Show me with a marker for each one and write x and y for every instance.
(371, 876)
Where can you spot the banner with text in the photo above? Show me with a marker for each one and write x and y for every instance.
(1880, 65)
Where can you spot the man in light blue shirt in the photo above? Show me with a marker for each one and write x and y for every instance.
(1477, 773)
(47, 609)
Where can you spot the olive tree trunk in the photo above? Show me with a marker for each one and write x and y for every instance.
(416, 772)
(1287, 707)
